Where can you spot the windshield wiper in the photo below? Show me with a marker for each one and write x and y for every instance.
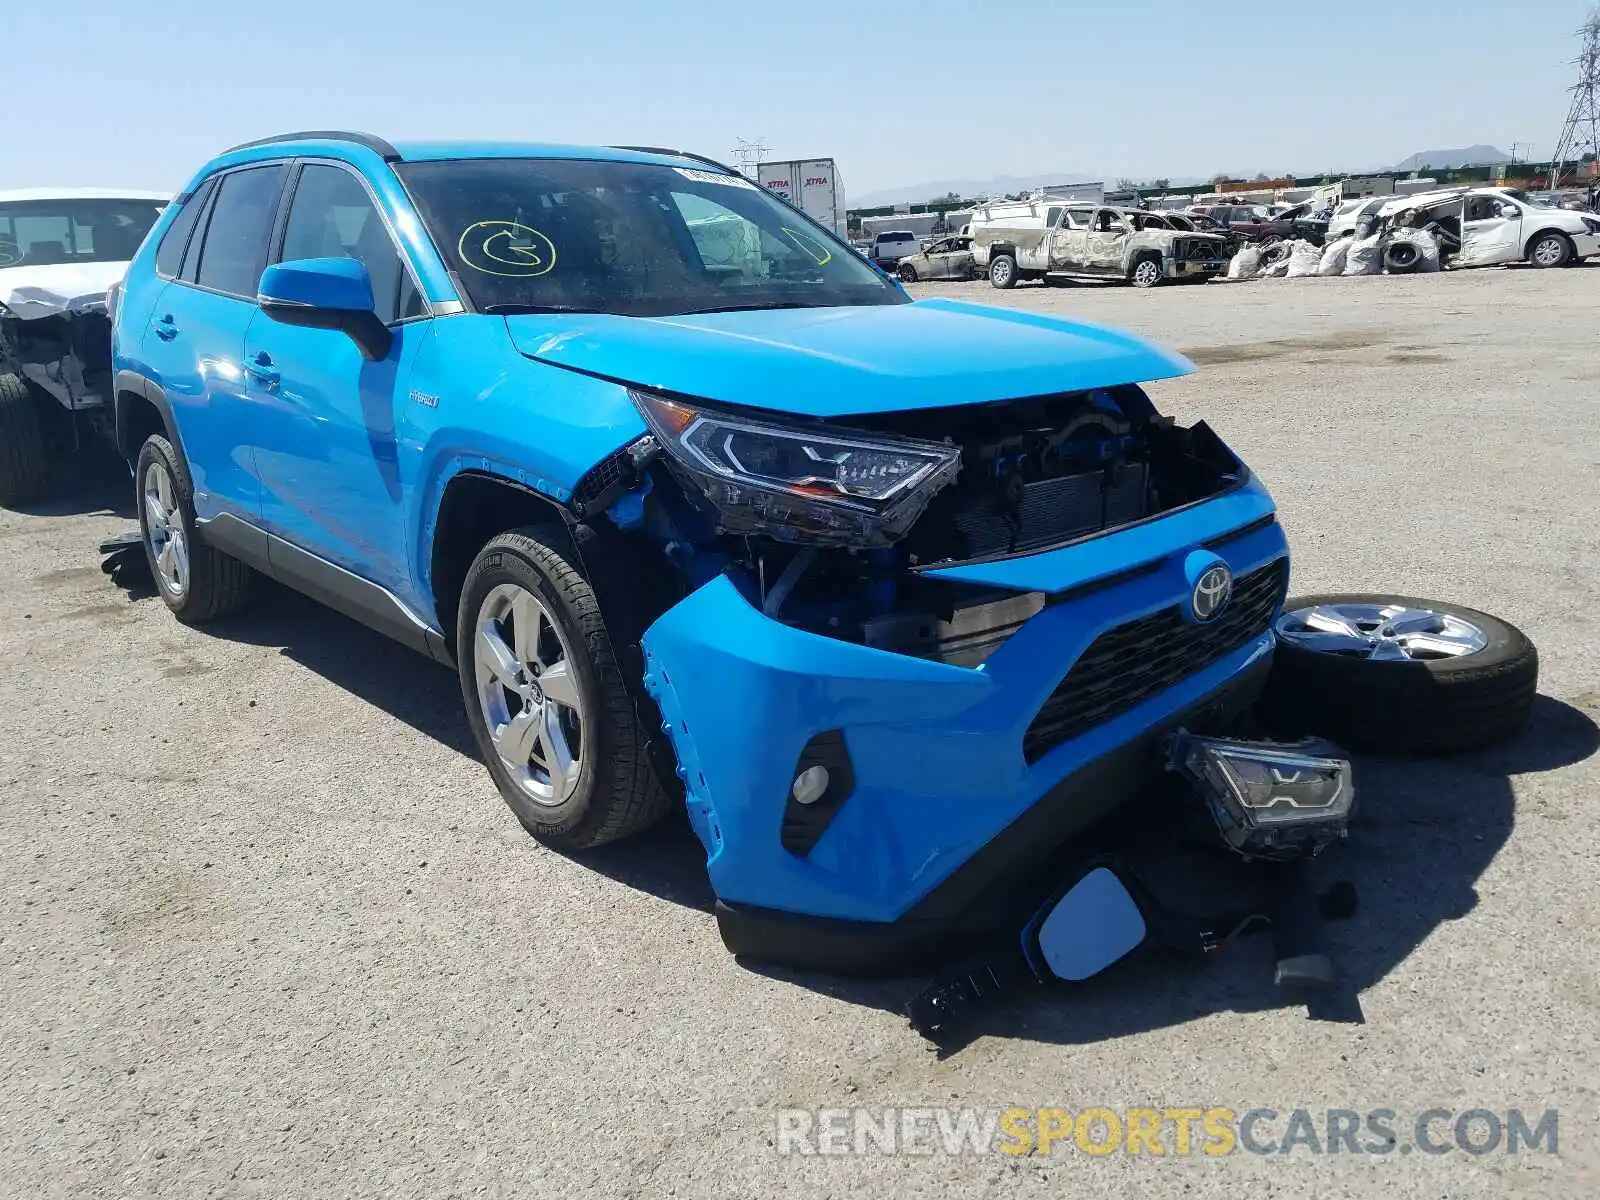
(507, 310)
(727, 308)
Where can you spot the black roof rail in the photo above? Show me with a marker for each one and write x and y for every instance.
(376, 144)
(710, 162)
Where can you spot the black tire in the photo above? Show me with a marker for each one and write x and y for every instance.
(24, 456)
(1270, 241)
(218, 583)
(906, 272)
(618, 794)
(1402, 258)
(1415, 707)
(1003, 272)
(1566, 251)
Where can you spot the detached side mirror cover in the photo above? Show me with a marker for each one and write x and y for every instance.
(325, 293)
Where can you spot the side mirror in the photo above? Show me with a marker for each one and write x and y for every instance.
(325, 293)
(1092, 926)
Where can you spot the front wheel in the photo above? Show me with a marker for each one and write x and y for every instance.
(1551, 250)
(1003, 272)
(1395, 674)
(907, 273)
(1147, 273)
(24, 461)
(545, 697)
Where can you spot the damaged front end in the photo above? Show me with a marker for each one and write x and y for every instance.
(65, 351)
(915, 654)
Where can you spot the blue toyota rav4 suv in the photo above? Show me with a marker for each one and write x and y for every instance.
(897, 597)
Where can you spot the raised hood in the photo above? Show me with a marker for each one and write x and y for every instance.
(835, 362)
(43, 291)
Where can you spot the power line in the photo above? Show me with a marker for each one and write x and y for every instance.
(1580, 133)
(749, 156)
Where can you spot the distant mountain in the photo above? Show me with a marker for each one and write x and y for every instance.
(1445, 160)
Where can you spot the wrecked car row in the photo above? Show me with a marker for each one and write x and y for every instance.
(1431, 231)
(912, 638)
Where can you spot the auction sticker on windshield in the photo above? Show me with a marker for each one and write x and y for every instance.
(714, 177)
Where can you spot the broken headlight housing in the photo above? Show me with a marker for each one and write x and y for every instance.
(799, 483)
(1269, 799)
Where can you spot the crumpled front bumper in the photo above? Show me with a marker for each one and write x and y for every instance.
(946, 811)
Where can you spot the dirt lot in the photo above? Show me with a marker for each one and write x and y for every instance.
(267, 930)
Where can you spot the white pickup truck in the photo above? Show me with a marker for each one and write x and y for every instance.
(1042, 239)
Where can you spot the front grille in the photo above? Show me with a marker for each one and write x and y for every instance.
(1129, 664)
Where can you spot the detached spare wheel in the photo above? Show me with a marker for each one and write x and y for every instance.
(1395, 674)
(1401, 258)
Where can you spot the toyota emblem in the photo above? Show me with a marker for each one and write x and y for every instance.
(1211, 592)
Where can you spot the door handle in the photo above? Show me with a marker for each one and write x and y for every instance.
(261, 369)
(166, 328)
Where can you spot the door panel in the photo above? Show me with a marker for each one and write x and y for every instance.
(325, 416)
(1491, 232)
(325, 452)
(194, 345)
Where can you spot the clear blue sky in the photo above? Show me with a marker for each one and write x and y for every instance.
(113, 92)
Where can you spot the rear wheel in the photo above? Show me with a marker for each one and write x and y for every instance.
(1003, 272)
(546, 699)
(24, 457)
(195, 581)
(1551, 250)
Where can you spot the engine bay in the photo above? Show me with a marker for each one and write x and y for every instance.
(1034, 475)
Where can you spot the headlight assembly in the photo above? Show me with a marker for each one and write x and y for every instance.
(797, 483)
(1270, 800)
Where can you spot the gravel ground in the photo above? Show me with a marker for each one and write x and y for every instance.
(267, 929)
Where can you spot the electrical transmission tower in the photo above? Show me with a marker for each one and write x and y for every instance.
(1580, 135)
(748, 155)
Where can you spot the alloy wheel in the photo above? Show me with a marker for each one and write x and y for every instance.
(169, 547)
(1383, 633)
(532, 701)
(1147, 274)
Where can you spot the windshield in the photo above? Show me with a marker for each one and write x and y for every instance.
(634, 239)
(1544, 201)
(40, 233)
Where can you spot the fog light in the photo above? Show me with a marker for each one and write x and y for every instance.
(810, 785)
(1269, 799)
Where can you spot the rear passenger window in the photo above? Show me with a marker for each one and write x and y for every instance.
(235, 250)
(331, 216)
(169, 255)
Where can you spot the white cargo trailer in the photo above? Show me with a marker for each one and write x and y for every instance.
(811, 185)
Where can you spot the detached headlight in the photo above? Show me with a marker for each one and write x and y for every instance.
(818, 485)
(1270, 800)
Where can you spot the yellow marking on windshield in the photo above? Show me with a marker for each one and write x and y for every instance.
(809, 248)
(506, 248)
